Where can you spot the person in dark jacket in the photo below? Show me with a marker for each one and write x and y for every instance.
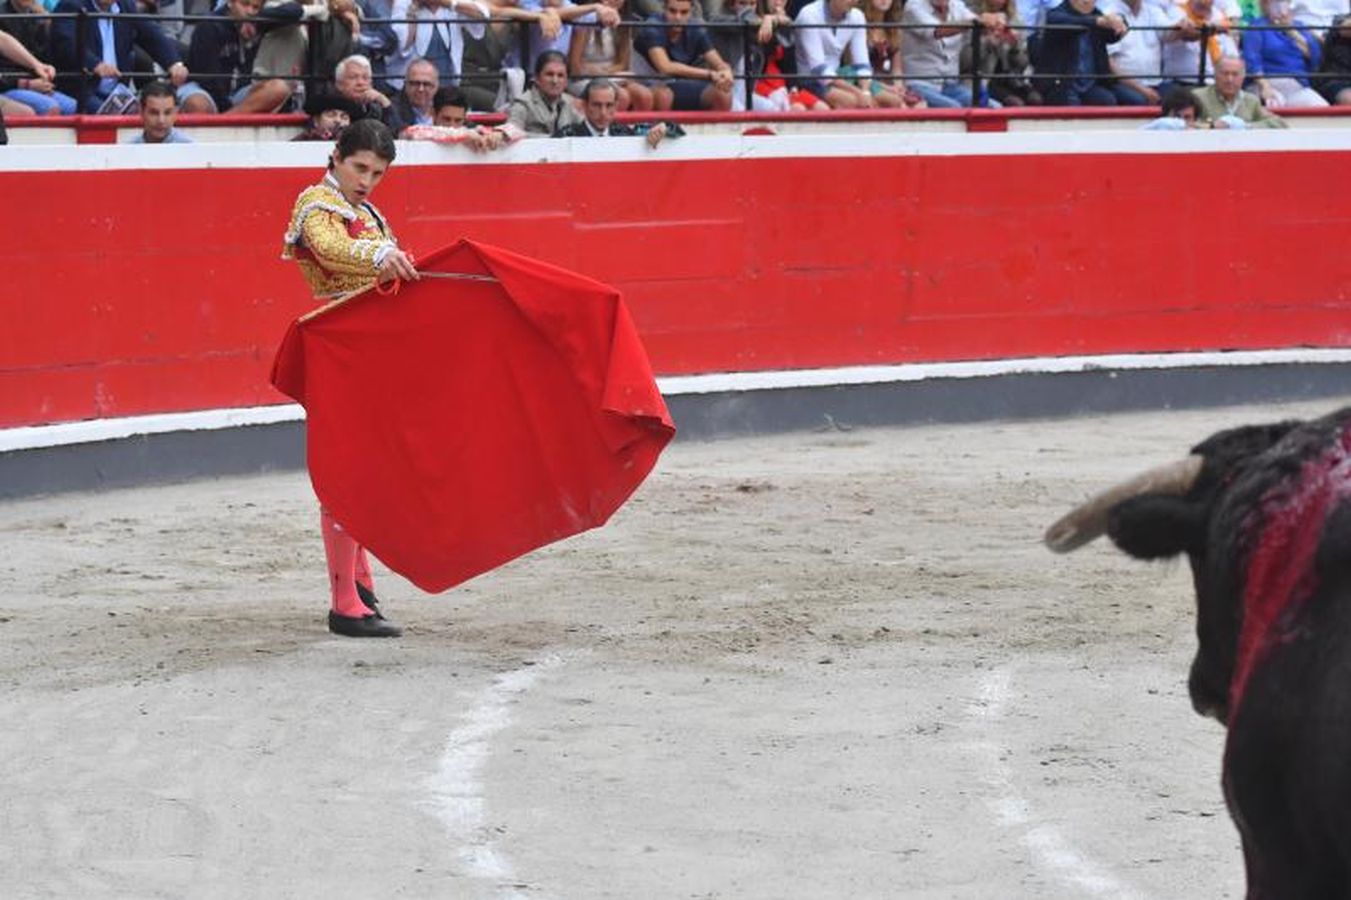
(413, 104)
(600, 101)
(220, 60)
(32, 28)
(1074, 48)
(109, 62)
(1334, 74)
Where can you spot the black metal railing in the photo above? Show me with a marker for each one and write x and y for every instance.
(315, 79)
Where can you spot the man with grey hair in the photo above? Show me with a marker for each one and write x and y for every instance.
(413, 105)
(1225, 104)
(353, 79)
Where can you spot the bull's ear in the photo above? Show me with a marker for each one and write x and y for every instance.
(1154, 526)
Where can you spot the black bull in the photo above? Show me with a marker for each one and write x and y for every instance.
(1264, 516)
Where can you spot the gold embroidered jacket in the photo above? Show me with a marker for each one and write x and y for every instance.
(338, 246)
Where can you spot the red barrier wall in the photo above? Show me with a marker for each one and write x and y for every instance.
(129, 291)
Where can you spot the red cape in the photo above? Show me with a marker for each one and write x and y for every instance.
(458, 424)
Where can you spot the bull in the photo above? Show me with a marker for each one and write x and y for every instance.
(1262, 514)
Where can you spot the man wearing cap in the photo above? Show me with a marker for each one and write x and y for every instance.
(329, 115)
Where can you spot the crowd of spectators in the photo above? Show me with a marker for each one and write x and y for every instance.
(534, 59)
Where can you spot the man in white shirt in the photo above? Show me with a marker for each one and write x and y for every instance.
(931, 49)
(1318, 14)
(1137, 59)
(433, 30)
(1183, 47)
(826, 28)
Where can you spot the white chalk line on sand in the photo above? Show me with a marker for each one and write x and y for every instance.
(456, 789)
(1050, 849)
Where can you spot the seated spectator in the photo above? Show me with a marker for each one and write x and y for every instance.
(375, 38)
(487, 78)
(683, 54)
(931, 48)
(825, 30)
(1004, 59)
(1320, 14)
(884, 54)
(109, 44)
(1075, 43)
(1290, 55)
(540, 38)
(220, 62)
(1181, 110)
(601, 102)
(450, 108)
(413, 104)
(329, 115)
(337, 36)
(431, 35)
(649, 9)
(1225, 104)
(741, 19)
(773, 93)
(1335, 83)
(1137, 59)
(283, 50)
(1182, 50)
(545, 107)
(352, 79)
(600, 51)
(450, 126)
(1032, 13)
(491, 73)
(32, 32)
(159, 109)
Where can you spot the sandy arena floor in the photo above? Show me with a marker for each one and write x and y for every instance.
(830, 665)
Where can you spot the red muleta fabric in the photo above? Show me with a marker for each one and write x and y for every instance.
(458, 424)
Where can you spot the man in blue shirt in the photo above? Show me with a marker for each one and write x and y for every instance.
(159, 109)
(109, 43)
(696, 76)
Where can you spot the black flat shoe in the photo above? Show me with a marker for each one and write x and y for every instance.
(362, 626)
(369, 600)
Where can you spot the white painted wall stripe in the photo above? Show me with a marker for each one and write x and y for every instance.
(312, 155)
(94, 430)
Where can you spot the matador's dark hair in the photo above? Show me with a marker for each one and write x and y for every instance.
(366, 134)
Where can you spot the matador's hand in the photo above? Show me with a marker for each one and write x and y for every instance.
(397, 265)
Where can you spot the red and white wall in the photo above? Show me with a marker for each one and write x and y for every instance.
(142, 281)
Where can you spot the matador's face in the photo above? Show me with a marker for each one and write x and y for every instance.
(358, 174)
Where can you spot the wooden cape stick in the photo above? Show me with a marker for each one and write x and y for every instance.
(343, 298)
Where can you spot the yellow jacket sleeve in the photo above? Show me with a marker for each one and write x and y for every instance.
(325, 235)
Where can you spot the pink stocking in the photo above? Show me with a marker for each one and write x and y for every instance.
(363, 570)
(342, 553)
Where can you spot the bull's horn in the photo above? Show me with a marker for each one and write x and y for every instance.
(1089, 520)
